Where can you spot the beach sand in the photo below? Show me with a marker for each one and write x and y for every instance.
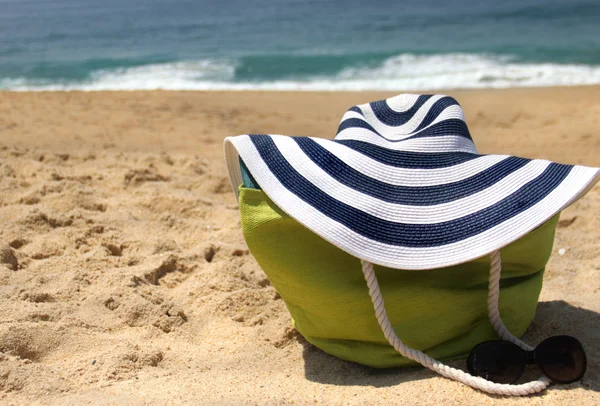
(124, 276)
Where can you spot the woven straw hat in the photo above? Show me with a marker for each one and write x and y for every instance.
(402, 186)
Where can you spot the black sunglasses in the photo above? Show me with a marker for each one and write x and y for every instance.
(561, 358)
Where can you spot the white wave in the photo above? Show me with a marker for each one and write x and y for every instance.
(402, 72)
(419, 72)
(172, 76)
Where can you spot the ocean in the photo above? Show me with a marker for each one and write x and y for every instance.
(297, 44)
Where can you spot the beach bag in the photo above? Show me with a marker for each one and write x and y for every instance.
(387, 243)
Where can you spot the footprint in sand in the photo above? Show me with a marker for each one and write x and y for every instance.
(8, 257)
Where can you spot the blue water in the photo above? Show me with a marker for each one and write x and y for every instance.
(297, 44)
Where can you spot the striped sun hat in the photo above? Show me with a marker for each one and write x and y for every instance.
(402, 184)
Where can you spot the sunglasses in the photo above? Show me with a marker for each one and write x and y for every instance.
(561, 358)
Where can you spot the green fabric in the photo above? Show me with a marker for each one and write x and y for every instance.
(442, 312)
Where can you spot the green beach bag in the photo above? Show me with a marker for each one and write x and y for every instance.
(387, 243)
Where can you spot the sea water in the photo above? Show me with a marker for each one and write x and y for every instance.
(297, 44)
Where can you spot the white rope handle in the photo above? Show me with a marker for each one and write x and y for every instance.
(442, 369)
(493, 301)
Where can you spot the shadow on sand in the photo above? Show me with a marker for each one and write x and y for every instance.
(552, 318)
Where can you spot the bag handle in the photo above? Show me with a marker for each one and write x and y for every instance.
(442, 369)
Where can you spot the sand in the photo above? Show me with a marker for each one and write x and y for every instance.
(125, 279)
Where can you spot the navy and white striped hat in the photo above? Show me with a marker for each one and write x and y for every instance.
(402, 184)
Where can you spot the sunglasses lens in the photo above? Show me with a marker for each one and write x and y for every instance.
(497, 361)
(561, 358)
